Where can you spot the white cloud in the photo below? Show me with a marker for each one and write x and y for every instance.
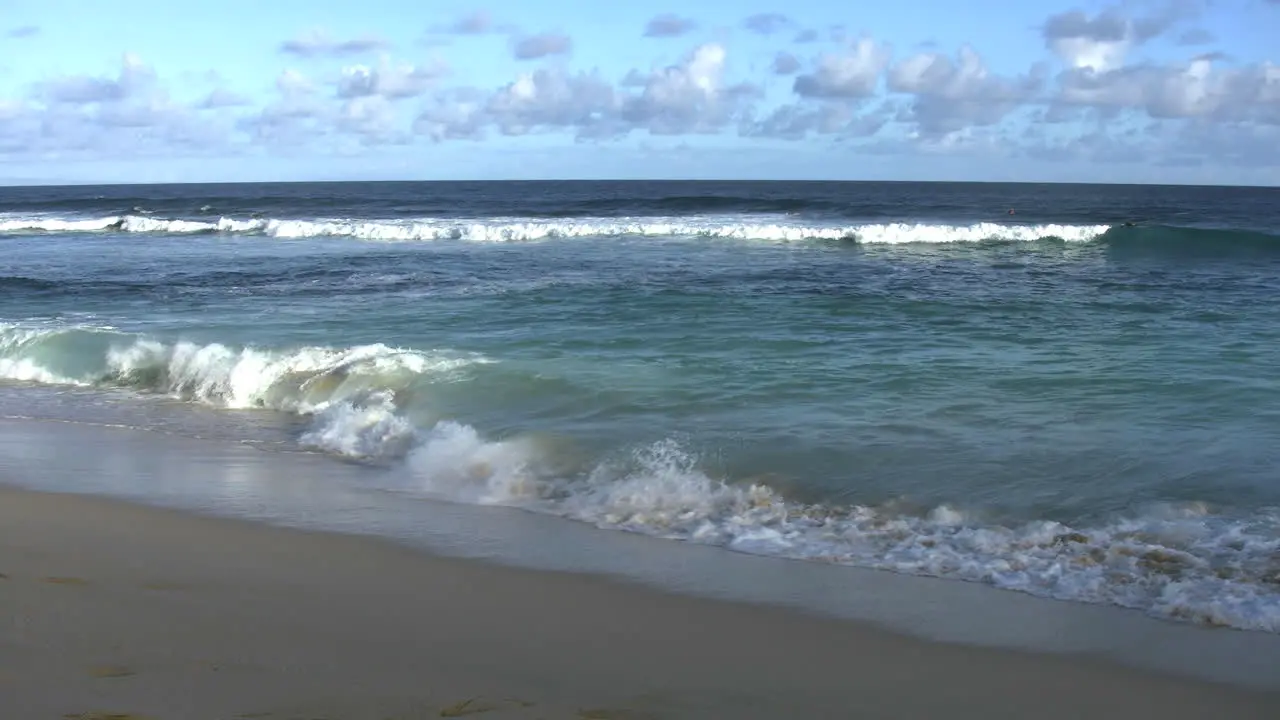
(668, 25)
(854, 73)
(223, 98)
(476, 23)
(372, 118)
(553, 100)
(1103, 41)
(292, 84)
(767, 23)
(1197, 36)
(689, 97)
(1104, 103)
(11, 110)
(533, 47)
(458, 114)
(949, 96)
(784, 63)
(387, 80)
(297, 115)
(798, 121)
(1196, 89)
(134, 78)
(129, 115)
(319, 43)
(686, 98)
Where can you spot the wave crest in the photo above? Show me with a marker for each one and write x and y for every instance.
(354, 396)
(1174, 561)
(533, 229)
(1184, 562)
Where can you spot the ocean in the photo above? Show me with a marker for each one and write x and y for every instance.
(1064, 390)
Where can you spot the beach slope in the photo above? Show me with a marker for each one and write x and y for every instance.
(114, 610)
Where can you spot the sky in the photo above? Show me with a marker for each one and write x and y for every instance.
(1146, 91)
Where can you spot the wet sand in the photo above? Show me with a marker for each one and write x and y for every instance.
(115, 610)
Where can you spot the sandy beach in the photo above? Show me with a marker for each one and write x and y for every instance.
(113, 610)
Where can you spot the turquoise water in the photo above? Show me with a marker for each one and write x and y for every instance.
(1078, 400)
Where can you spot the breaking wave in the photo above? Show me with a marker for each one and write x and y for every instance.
(533, 229)
(354, 396)
(1186, 562)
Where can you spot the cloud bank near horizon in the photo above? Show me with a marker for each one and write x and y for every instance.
(1093, 96)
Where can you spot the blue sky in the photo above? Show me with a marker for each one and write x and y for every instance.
(157, 91)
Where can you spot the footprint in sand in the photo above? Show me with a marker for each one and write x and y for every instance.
(55, 580)
(164, 587)
(111, 671)
(475, 706)
(611, 714)
(471, 706)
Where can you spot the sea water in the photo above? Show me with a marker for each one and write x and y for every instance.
(1069, 391)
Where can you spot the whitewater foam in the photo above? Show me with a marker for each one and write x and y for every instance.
(528, 229)
(1183, 562)
(349, 392)
(1176, 562)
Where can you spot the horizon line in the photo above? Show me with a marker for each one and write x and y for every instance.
(4, 185)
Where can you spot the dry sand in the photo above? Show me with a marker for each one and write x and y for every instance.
(117, 611)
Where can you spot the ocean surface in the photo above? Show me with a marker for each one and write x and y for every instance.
(1078, 400)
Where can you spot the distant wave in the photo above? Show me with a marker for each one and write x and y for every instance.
(1130, 238)
(607, 203)
(356, 393)
(532, 229)
(1172, 241)
(18, 282)
(1184, 561)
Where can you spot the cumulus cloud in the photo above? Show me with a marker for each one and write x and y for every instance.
(318, 43)
(854, 73)
(372, 119)
(550, 99)
(294, 117)
(133, 79)
(951, 95)
(1097, 43)
(24, 31)
(784, 63)
(457, 114)
(1102, 101)
(128, 115)
(1194, 90)
(533, 47)
(223, 98)
(767, 23)
(687, 98)
(1197, 36)
(796, 121)
(476, 23)
(668, 25)
(1101, 42)
(387, 80)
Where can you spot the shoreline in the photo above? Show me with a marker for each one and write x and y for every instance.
(212, 477)
(122, 608)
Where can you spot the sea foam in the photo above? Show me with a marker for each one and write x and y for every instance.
(348, 392)
(745, 228)
(1178, 561)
